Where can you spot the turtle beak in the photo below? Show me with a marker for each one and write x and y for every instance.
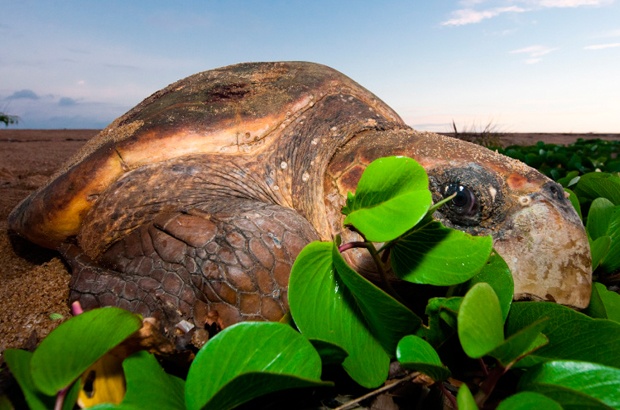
(546, 247)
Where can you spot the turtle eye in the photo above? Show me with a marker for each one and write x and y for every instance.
(478, 197)
(464, 203)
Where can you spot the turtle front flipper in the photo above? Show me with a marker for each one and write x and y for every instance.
(212, 266)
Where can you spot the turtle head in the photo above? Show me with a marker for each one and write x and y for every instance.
(534, 226)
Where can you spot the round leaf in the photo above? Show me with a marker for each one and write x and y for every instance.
(324, 309)
(599, 217)
(442, 314)
(480, 324)
(388, 319)
(247, 360)
(391, 197)
(599, 184)
(148, 386)
(599, 248)
(528, 401)
(19, 364)
(436, 255)
(76, 344)
(572, 335)
(497, 274)
(520, 344)
(611, 262)
(556, 379)
(604, 304)
(415, 353)
(464, 399)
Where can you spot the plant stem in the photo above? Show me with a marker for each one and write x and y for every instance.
(378, 263)
(377, 391)
(382, 272)
(351, 245)
(448, 394)
(60, 398)
(487, 386)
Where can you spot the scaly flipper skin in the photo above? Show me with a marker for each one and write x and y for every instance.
(219, 267)
(194, 204)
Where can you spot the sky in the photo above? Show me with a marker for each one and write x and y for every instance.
(517, 65)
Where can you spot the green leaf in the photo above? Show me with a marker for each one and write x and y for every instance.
(497, 274)
(329, 352)
(599, 217)
(572, 335)
(599, 184)
(391, 197)
(77, 343)
(611, 261)
(416, 354)
(323, 308)
(442, 316)
(599, 248)
(528, 400)
(148, 386)
(604, 304)
(520, 344)
(464, 399)
(19, 364)
(436, 255)
(567, 381)
(480, 324)
(248, 360)
(604, 221)
(388, 320)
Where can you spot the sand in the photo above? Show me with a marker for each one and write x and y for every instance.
(33, 281)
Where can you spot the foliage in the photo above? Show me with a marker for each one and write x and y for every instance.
(567, 161)
(8, 119)
(469, 331)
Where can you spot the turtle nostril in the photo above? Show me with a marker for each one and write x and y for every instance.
(554, 191)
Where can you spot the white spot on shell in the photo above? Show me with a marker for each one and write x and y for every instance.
(333, 128)
(525, 200)
(305, 177)
(275, 188)
(314, 141)
(493, 193)
(283, 165)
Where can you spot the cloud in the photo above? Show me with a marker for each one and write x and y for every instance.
(601, 46)
(469, 15)
(534, 52)
(571, 3)
(23, 94)
(611, 33)
(67, 102)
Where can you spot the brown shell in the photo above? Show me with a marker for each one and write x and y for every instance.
(236, 111)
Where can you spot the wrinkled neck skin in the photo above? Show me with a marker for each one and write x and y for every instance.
(533, 225)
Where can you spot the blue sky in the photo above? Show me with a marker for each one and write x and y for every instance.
(522, 65)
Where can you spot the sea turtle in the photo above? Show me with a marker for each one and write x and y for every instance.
(194, 204)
